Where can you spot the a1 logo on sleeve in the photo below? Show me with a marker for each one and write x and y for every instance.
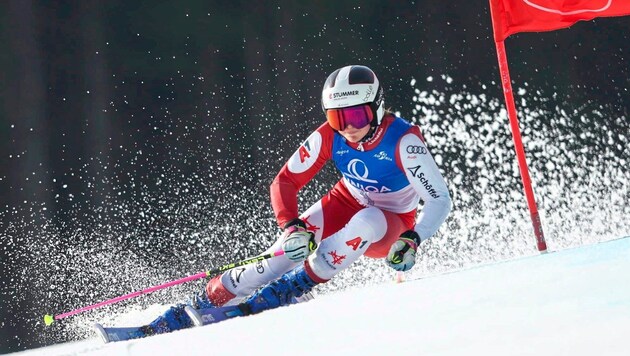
(306, 155)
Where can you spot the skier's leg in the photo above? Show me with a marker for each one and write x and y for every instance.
(334, 254)
(232, 286)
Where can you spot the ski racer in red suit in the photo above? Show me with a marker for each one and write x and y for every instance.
(386, 170)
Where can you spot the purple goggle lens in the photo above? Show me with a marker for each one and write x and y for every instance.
(358, 116)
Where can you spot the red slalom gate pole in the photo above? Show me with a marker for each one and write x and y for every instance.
(518, 146)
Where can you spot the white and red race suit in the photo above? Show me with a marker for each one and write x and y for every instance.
(383, 181)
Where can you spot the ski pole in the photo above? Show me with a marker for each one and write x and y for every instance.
(49, 319)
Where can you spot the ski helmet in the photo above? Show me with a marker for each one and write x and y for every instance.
(352, 86)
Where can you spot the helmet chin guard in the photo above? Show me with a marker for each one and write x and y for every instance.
(354, 85)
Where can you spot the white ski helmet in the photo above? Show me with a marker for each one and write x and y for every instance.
(354, 85)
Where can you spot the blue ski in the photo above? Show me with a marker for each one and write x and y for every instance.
(213, 315)
(199, 317)
(120, 334)
(216, 314)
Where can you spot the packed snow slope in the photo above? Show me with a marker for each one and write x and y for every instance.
(570, 302)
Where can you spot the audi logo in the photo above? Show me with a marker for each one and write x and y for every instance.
(421, 150)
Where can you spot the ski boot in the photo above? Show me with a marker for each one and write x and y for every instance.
(178, 317)
(283, 291)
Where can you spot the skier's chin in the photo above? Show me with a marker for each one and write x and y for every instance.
(355, 135)
(354, 138)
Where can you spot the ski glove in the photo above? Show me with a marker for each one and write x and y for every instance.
(298, 243)
(402, 254)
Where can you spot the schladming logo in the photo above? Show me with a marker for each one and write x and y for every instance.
(382, 156)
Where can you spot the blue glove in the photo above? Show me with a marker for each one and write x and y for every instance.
(402, 253)
(298, 243)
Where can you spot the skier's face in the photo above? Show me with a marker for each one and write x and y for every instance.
(353, 134)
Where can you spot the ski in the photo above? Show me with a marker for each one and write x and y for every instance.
(213, 315)
(120, 334)
(199, 317)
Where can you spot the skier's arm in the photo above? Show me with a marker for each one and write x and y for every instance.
(425, 177)
(309, 159)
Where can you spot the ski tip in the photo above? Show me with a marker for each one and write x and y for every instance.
(48, 319)
(194, 316)
(100, 331)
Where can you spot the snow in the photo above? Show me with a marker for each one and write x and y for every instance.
(570, 302)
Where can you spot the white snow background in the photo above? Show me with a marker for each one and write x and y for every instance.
(574, 301)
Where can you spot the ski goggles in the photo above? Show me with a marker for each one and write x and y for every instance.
(358, 116)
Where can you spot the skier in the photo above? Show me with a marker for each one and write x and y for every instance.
(386, 171)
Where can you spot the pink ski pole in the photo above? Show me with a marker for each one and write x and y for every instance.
(49, 319)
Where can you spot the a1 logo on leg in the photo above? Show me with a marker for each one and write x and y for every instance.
(356, 243)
